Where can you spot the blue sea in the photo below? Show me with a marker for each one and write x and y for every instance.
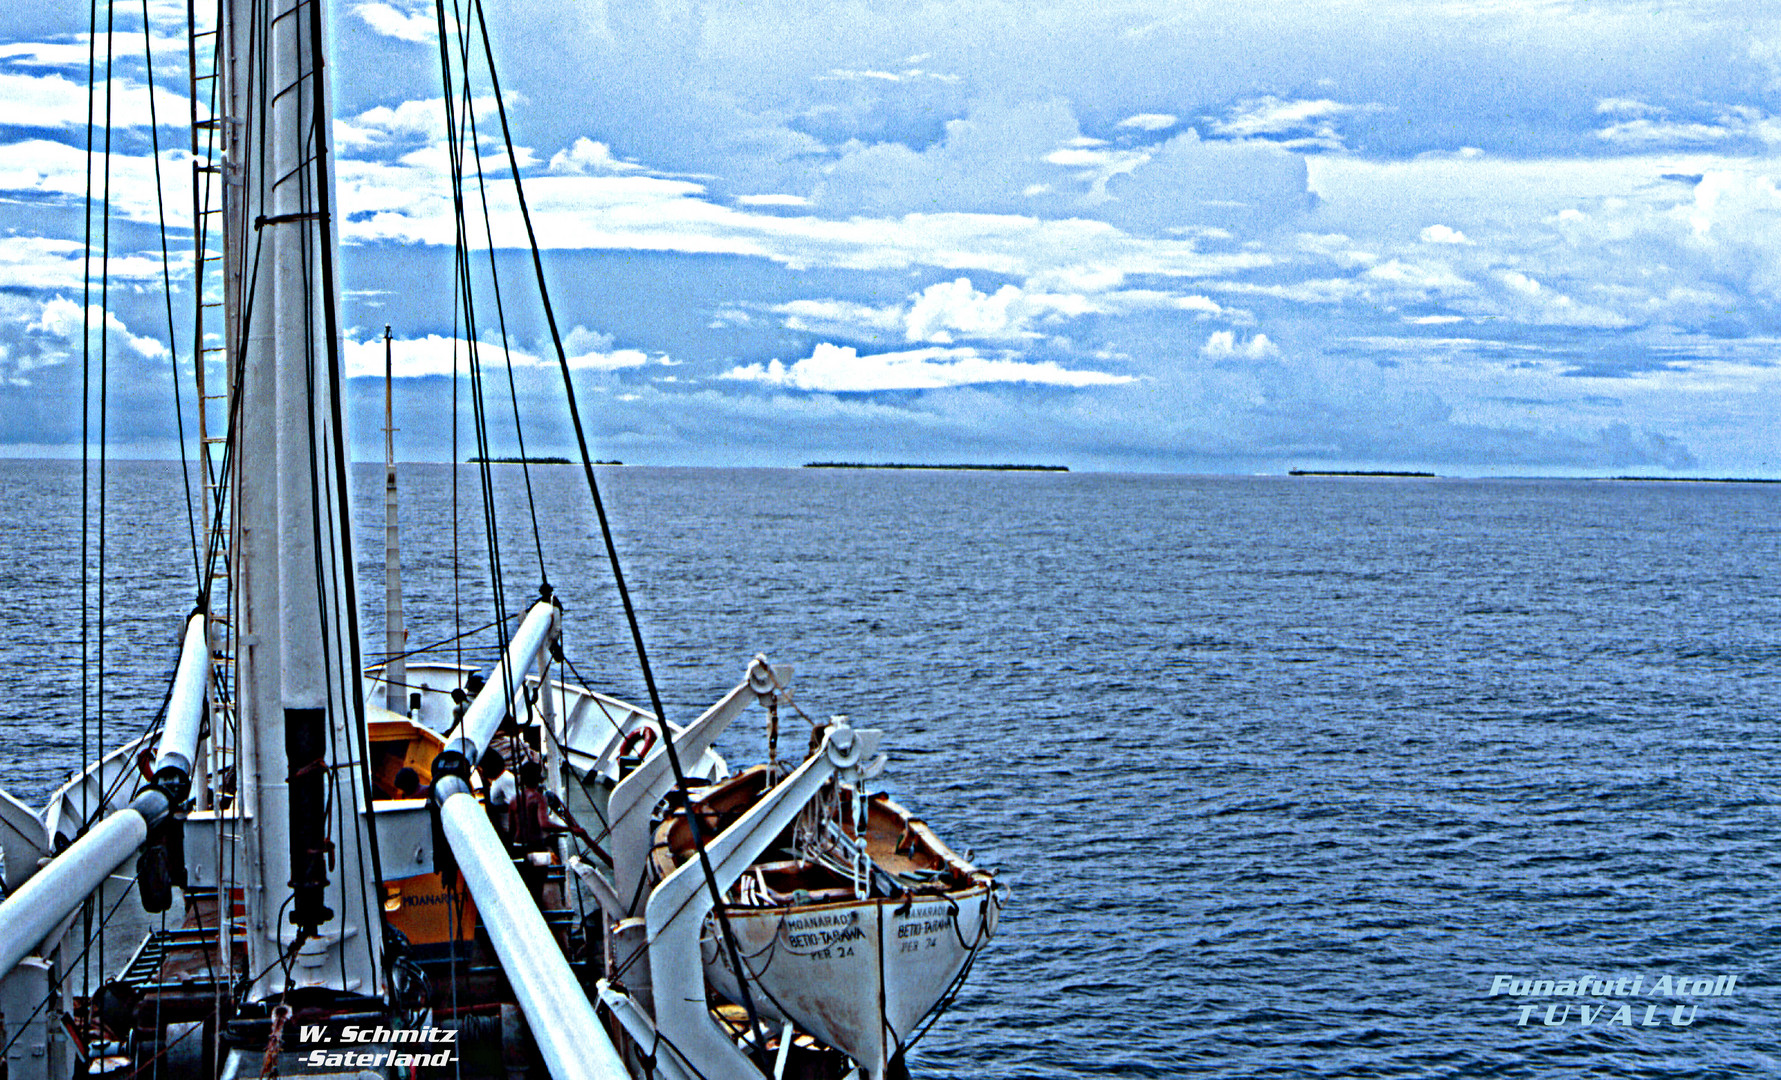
(1285, 773)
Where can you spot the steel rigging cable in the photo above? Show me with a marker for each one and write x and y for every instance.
(655, 700)
(154, 131)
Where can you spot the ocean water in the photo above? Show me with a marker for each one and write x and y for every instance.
(1284, 773)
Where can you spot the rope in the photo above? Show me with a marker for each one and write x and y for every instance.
(387, 657)
(501, 319)
(342, 579)
(86, 399)
(56, 983)
(457, 133)
(104, 393)
(605, 526)
(179, 415)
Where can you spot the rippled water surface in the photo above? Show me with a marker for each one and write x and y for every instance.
(1283, 772)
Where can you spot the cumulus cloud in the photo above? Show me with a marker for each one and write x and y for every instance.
(1193, 182)
(440, 355)
(1299, 123)
(1097, 166)
(949, 311)
(955, 307)
(61, 319)
(1223, 345)
(587, 156)
(984, 163)
(54, 101)
(408, 121)
(418, 24)
(1443, 234)
(1148, 122)
(592, 351)
(841, 369)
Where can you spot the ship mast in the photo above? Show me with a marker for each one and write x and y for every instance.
(311, 879)
(395, 672)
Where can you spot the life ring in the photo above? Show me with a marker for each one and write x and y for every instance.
(645, 735)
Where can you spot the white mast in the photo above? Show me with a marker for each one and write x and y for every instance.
(311, 884)
(395, 671)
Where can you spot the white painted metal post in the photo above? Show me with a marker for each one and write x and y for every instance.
(39, 906)
(570, 1039)
(37, 1048)
(636, 796)
(298, 681)
(677, 907)
(395, 668)
(505, 685)
(189, 700)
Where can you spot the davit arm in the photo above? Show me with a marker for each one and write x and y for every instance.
(570, 1039)
(636, 796)
(677, 908)
(38, 907)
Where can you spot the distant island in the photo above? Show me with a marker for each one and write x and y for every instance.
(1355, 472)
(905, 465)
(530, 461)
(1699, 479)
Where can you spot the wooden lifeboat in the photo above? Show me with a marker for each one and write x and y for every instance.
(854, 950)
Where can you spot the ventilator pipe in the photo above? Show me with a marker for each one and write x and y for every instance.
(570, 1039)
(54, 892)
(504, 687)
(41, 903)
(178, 748)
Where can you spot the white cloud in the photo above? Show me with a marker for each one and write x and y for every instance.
(1418, 279)
(907, 74)
(1299, 123)
(1098, 166)
(409, 357)
(42, 167)
(1443, 234)
(1651, 126)
(1223, 345)
(418, 119)
(1624, 107)
(948, 311)
(1148, 122)
(1203, 304)
(1519, 282)
(772, 200)
(841, 316)
(950, 307)
(53, 101)
(588, 350)
(126, 47)
(840, 369)
(38, 263)
(587, 156)
(61, 319)
(386, 19)
(406, 202)
(437, 355)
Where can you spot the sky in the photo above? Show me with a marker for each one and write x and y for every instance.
(1473, 238)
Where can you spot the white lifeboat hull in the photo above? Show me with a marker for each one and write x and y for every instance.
(858, 975)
